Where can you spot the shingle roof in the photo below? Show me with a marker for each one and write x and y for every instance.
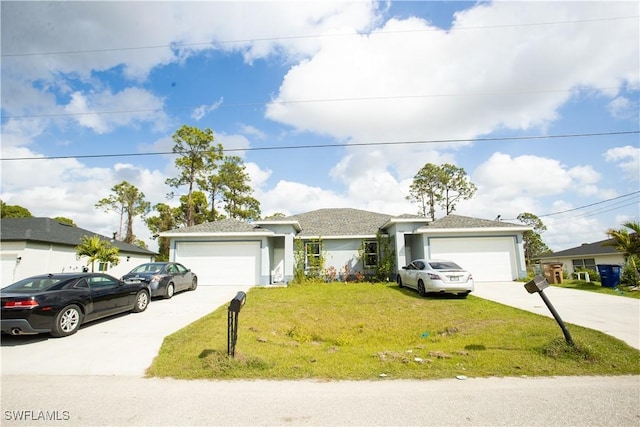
(339, 222)
(459, 221)
(596, 248)
(221, 226)
(51, 231)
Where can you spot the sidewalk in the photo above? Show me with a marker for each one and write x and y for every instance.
(614, 315)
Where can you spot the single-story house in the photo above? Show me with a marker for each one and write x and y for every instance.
(587, 255)
(30, 246)
(265, 252)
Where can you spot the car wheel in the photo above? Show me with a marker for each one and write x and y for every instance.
(399, 280)
(421, 289)
(67, 321)
(194, 283)
(142, 302)
(171, 289)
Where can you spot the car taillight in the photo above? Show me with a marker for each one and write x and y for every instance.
(434, 276)
(25, 303)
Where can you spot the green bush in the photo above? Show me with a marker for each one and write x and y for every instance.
(630, 276)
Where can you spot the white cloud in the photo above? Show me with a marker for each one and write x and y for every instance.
(409, 80)
(627, 158)
(623, 108)
(293, 197)
(257, 175)
(203, 110)
(509, 177)
(128, 107)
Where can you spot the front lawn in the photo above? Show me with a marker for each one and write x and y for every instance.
(367, 331)
(624, 291)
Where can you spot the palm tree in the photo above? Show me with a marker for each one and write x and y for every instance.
(628, 244)
(97, 249)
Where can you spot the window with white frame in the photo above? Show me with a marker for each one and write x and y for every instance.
(584, 263)
(370, 254)
(103, 266)
(312, 255)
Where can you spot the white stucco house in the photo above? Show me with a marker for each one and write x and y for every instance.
(30, 246)
(231, 252)
(587, 255)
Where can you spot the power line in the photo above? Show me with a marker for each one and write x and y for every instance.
(600, 211)
(357, 144)
(267, 39)
(587, 206)
(307, 101)
(595, 212)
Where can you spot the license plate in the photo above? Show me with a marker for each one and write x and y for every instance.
(454, 278)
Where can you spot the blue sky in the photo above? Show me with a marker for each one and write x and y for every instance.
(112, 78)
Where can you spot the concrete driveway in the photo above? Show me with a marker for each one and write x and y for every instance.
(121, 345)
(614, 315)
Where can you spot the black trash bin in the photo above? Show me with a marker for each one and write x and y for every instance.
(609, 275)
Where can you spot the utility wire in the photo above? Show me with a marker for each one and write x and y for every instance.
(591, 213)
(306, 101)
(595, 212)
(587, 206)
(351, 34)
(360, 144)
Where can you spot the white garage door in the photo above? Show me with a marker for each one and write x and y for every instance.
(221, 263)
(487, 258)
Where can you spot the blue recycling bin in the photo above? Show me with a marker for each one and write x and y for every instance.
(609, 275)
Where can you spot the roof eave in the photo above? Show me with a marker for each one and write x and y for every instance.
(474, 229)
(294, 224)
(343, 236)
(218, 234)
(393, 221)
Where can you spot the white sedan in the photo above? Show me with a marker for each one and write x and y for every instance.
(438, 276)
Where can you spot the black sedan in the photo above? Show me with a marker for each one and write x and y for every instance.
(163, 278)
(59, 303)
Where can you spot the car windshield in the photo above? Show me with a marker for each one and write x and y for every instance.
(148, 268)
(444, 265)
(32, 285)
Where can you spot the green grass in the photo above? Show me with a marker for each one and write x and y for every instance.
(365, 331)
(624, 291)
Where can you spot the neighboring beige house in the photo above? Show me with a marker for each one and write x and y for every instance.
(587, 255)
(30, 246)
(231, 252)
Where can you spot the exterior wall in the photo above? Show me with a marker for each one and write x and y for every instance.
(41, 258)
(341, 253)
(281, 257)
(567, 262)
(521, 261)
(404, 243)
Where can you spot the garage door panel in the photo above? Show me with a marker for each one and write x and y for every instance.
(221, 263)
(487, 258)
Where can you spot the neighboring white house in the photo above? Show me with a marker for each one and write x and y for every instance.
(231, 252)
(587, 255)
(30, 246)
